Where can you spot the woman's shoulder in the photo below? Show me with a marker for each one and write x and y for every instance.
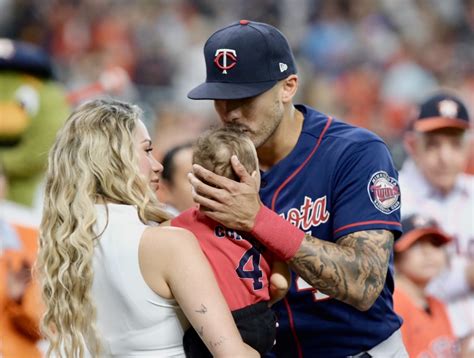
(161, 251)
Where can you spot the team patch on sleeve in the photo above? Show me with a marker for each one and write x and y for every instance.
(384, 192)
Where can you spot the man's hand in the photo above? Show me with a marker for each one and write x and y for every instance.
(231, 203)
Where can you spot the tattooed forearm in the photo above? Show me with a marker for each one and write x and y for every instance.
(202, 309)
(353, 270)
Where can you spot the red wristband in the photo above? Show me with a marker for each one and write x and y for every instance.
(277, 234)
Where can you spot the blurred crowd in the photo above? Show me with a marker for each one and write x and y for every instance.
(368, 62)
(365, 61)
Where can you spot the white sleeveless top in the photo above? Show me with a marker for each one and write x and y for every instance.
(132, 320)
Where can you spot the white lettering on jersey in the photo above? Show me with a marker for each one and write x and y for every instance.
(302, 285)
(311, 213)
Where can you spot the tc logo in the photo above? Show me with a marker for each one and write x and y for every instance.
(225, 59)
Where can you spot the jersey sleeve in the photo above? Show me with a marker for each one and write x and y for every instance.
(366, 191)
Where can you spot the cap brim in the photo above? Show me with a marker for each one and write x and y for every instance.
(225, 90)
(438, 238)
(434, 123)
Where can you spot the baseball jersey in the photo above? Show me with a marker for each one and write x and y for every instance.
(338, 179)
(426, 333)
(454, 213)
(240, 263)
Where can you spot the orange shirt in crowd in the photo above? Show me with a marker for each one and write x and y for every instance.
(425, 334)
(19, 331)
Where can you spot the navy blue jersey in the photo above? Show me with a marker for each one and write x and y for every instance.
(337, 180)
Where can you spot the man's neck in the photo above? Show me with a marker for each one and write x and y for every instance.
(282, 142)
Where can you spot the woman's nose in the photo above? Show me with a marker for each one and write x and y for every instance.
(157, 166)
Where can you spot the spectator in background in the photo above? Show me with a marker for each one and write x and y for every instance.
(419, 257)
(336, 41)
(175, 189)
(433, 182)
(20, 305)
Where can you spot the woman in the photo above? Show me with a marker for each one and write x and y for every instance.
(111, 280)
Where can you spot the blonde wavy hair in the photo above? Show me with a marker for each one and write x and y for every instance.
(93, 161)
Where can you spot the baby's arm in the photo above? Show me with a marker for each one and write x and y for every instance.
(280, 280)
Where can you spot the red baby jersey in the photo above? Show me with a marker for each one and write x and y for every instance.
(241, 265)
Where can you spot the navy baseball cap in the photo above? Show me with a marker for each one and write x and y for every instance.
(442, 110)
(416, 227)
(25, 57)
(244, 60)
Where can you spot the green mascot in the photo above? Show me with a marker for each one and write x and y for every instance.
(33, 106)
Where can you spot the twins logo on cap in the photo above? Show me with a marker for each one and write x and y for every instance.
(384, 192)
(225, 59)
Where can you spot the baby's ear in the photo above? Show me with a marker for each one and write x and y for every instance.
(254, 174)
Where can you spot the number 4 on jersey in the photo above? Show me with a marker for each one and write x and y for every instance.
(255, 273)
(302, 285)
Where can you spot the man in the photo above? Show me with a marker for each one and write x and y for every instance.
(335, 185)
(434, 184)
(175, 190)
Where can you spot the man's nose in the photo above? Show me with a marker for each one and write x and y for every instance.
(446, 153)
(230, 110)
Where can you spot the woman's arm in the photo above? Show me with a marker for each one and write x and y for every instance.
(173, 265)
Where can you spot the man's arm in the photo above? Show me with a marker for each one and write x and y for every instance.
(353, 270)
